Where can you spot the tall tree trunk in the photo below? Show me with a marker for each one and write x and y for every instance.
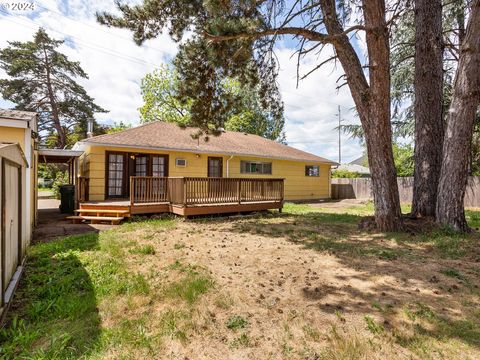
(61, 136)
(378, 129)
(459, 130)
(373, 104)
(428, 105)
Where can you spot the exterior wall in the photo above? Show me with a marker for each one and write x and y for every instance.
(15, 156)
(297, 185)
(22, 136)
(13, 135)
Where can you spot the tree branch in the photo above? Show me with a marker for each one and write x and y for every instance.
(295, 31)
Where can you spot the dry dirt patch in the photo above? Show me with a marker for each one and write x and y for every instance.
(305, 286)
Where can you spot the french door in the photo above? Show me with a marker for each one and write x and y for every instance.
(120, 166)
(116, 175)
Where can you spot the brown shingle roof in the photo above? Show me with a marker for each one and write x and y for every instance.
(167, 136)
(17, 114)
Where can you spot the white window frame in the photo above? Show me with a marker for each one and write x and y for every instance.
(260, 165)
(308, 174)
(180, 165)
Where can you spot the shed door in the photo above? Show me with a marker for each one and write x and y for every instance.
(11, 221)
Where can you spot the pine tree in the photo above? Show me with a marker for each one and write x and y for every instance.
(459, 128)
(42, 79)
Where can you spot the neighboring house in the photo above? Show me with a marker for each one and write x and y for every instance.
(364, 171)
(163, 149)
(357, 165)
(361, 161)
(18, 171)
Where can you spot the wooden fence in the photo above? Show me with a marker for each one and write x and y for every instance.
(360, 188)
(203, 191)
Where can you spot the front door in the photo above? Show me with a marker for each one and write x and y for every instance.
(215, 167)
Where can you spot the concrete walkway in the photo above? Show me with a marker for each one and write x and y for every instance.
(52, 224)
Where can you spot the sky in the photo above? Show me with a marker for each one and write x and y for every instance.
(116, 65)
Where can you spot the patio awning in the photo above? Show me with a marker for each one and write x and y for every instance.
(58, 156)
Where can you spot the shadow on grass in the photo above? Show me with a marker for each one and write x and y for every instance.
(55, 301)
(407, 261)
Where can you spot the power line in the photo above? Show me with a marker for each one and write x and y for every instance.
(83, 43)
(94, 27)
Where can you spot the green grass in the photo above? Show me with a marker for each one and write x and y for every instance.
(236, 322)
(190, 288)
(337, 225)
(107, 294)
(143, 250)
(56, 312)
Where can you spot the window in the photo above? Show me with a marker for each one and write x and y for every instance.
(312, 170)
(253, 167)
(140, 165)
(159, 166)
(180, 162)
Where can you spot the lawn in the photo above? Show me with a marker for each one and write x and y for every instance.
(304, 284)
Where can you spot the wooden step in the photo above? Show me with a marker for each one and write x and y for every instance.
(114, 220)
(118, 212)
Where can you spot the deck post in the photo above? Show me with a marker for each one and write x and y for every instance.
(239, 191)
(184, 189)
(132, 191)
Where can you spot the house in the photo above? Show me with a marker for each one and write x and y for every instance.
(117, 166)
(359, 165)
(18, 164)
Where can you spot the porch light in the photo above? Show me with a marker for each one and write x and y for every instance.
(197, 155)
(132, 157)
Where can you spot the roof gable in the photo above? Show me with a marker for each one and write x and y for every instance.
(168, 136)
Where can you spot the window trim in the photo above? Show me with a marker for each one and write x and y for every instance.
(307, 173)
(262, 163)
(180, 165)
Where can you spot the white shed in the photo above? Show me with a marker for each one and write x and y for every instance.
(14, 239)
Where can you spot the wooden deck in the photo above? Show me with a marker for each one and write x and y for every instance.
(188, 196)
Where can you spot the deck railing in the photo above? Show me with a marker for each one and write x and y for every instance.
(82, 188)
(189, 191)
(148, 189)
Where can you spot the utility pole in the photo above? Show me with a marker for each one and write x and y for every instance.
(339, 136)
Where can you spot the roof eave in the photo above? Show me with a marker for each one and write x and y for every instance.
(194, 151)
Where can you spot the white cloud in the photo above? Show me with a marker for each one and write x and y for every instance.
(116, 65)
(312, 108)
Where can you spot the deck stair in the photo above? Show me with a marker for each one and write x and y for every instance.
(114, 220)
(100, 213)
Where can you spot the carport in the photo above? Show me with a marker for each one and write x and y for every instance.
(62, 156)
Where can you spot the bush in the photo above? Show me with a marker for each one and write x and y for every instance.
(60, 179)
(346, 174)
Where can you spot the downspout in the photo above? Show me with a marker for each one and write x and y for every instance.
(228, 165)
